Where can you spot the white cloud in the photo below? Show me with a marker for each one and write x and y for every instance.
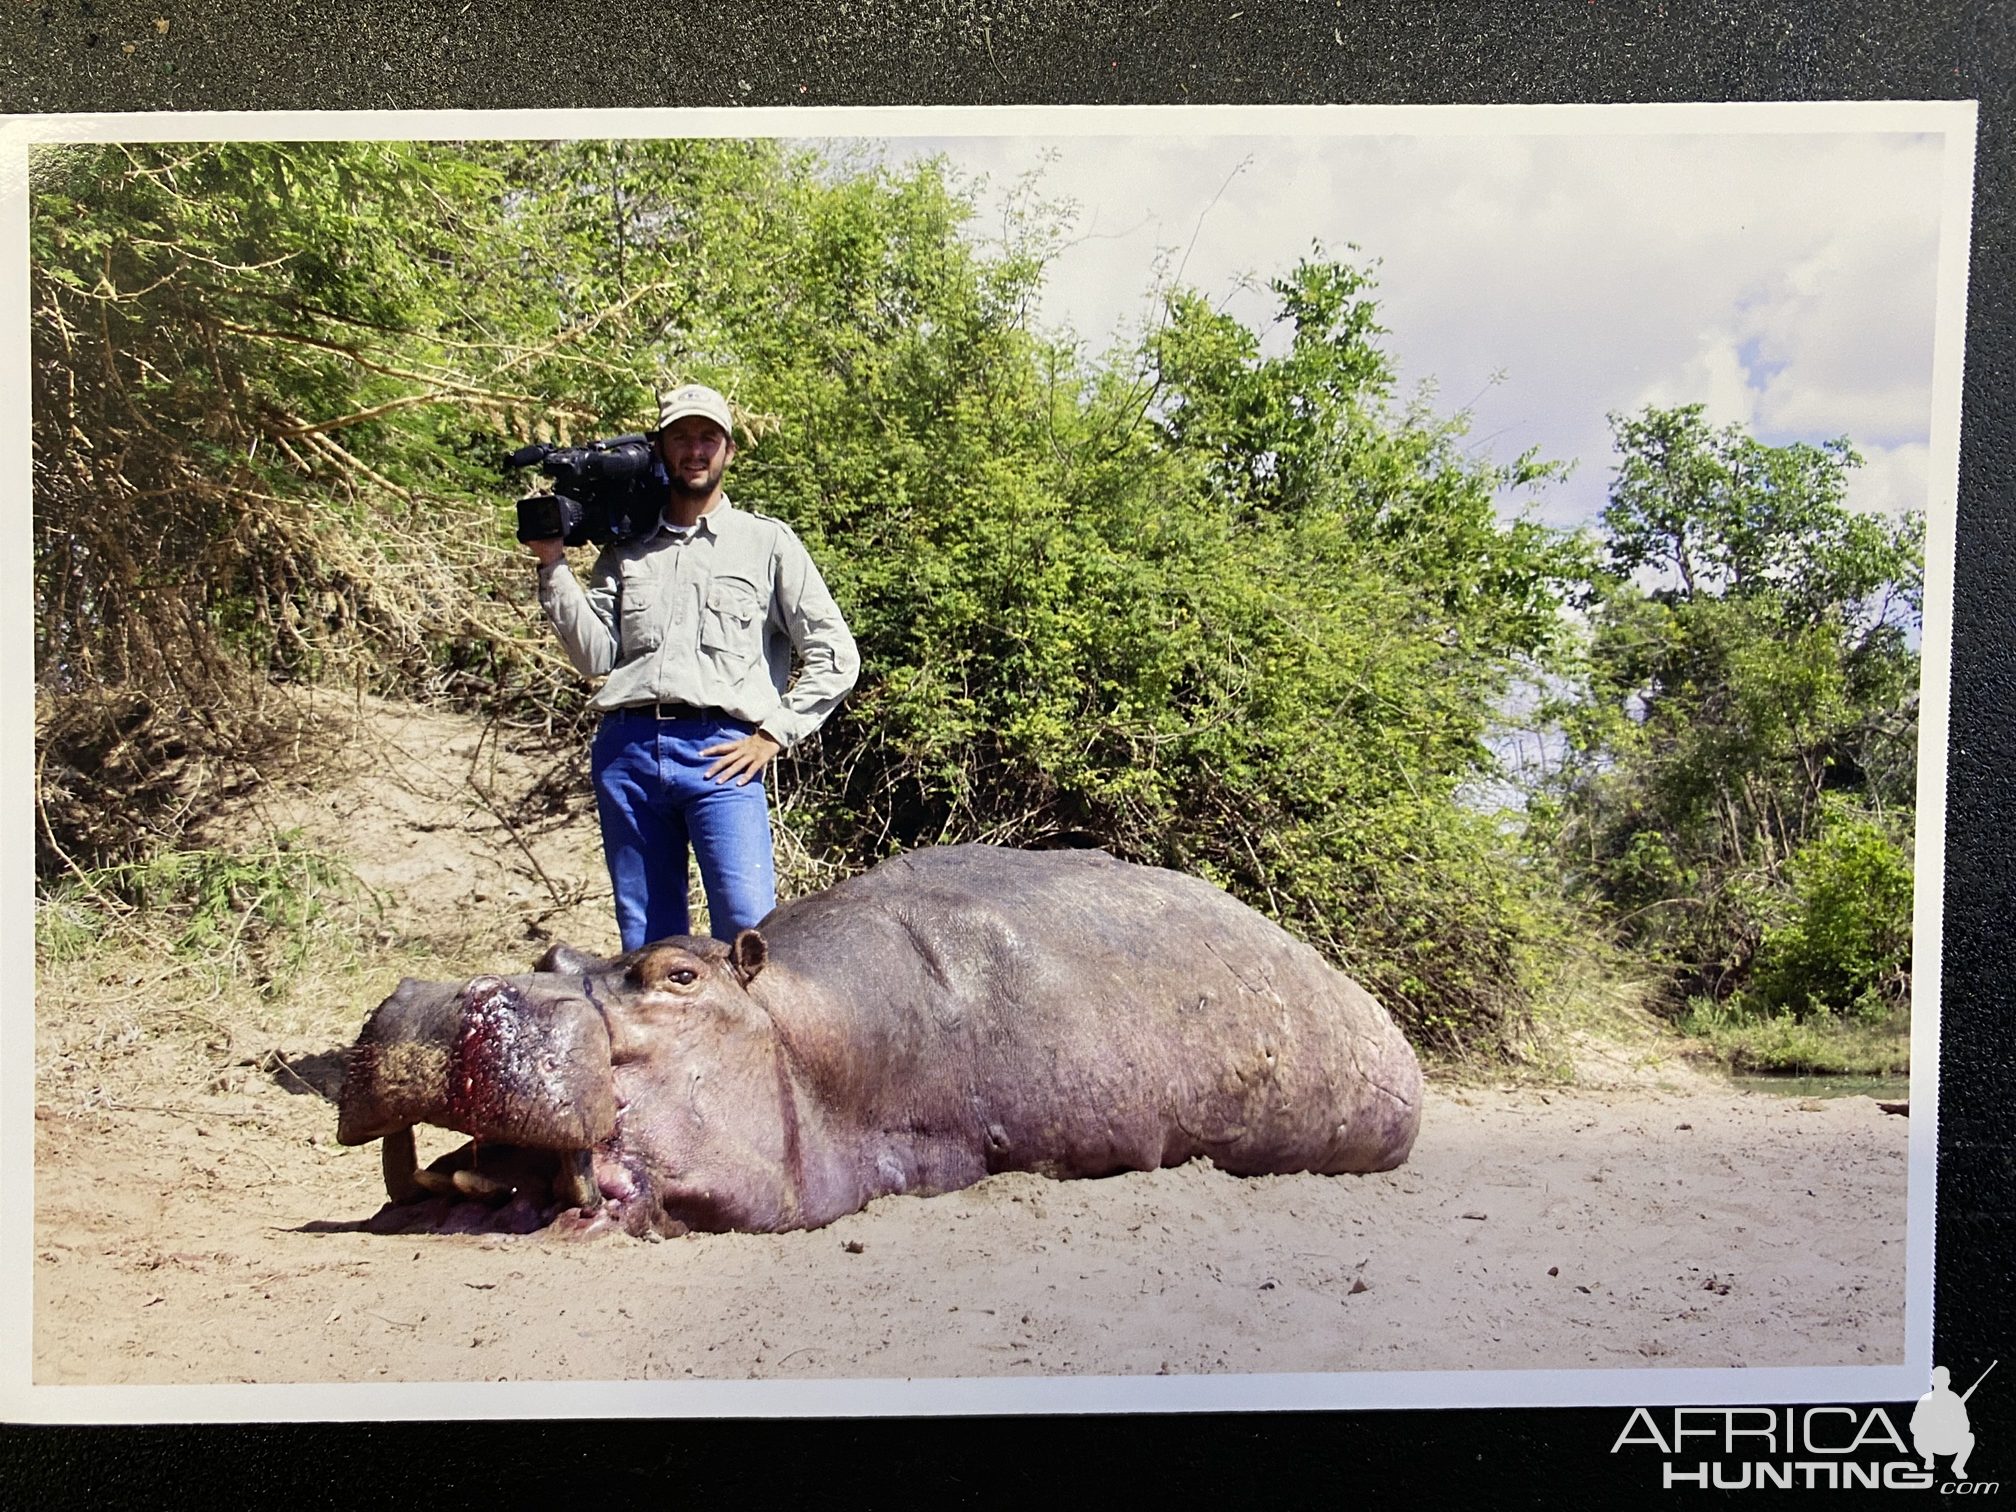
(1784, 280)
(1891, 479)
(1716, 376)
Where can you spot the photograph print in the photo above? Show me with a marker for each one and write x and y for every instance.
(1016, 763)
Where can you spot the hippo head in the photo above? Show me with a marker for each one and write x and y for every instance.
(646, 1092)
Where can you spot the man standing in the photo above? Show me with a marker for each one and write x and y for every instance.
(695, 623)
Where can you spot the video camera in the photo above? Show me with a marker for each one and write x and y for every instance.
(606, 492)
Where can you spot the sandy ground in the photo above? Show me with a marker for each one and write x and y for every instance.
(1649, 1217)
(1564, 1229)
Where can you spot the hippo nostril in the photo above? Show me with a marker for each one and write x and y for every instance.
(486, 995)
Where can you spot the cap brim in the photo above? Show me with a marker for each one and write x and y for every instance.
(727, 427)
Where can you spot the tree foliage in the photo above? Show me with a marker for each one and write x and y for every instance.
(1741, 781)
(252, 368)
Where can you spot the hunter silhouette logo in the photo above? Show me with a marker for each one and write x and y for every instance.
(1939, 1421)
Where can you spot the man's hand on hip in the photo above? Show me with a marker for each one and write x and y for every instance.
(548, 551)
(742, 759)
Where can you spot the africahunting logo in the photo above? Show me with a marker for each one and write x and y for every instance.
(1815, 1448)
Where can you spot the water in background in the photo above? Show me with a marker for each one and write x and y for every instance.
(1884, 1088)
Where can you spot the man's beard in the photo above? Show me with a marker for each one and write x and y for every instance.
(683, 490)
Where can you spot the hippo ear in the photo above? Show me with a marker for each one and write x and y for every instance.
(565, 960)
(749, 953)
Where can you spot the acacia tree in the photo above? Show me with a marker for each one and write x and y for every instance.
(1745, 745)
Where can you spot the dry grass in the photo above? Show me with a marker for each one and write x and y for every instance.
(126, 1016)
(124, 1022)
(1597, 1027)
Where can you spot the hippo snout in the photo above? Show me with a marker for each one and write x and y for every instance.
(511, 1060)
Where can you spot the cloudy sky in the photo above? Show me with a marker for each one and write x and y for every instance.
(1787, 281)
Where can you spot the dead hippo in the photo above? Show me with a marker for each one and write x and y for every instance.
(948, 1014)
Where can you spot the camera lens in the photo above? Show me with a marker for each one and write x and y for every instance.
(539, 518)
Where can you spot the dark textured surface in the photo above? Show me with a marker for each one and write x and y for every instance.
(269, 54)
(379, 54)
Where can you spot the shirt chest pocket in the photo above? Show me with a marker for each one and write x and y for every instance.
(731, 629)
(643, 618)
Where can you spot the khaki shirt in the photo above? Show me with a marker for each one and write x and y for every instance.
(709, 620)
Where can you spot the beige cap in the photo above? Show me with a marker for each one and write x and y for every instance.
(696, 399)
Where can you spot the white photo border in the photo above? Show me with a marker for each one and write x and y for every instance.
(21, 1400)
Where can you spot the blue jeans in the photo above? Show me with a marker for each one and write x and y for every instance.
(655, 799)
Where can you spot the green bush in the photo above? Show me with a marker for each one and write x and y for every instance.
(1846, 943)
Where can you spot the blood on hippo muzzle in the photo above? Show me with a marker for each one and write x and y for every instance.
(520, 1065)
